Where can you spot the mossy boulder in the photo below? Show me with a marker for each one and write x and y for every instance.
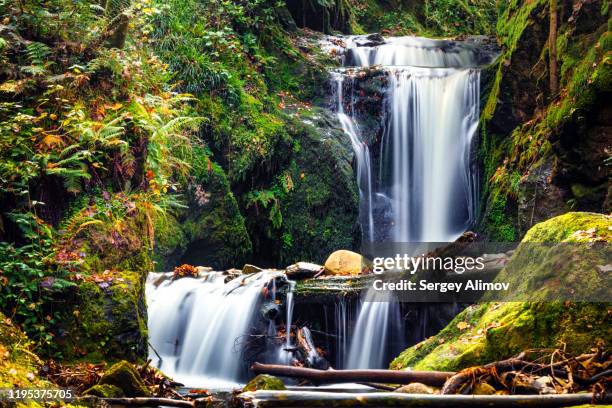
(562, 259)
(566, 228)
(107, 318)
(309, 207)
(125, 377)
(264, 382)
(497, 330)
(104, 391)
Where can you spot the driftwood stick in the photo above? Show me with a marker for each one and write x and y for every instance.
(434, 378)
(149, 402)
(377, 386)
(265, 399)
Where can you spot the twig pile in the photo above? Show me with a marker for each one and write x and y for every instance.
(537, 372)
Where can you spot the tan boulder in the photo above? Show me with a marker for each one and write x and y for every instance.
(346, 263)
(415, 388)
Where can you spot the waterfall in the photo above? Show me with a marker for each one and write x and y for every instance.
(425, 180)
(362, 154)
(433, 116)
(377, 324)
(197, 326)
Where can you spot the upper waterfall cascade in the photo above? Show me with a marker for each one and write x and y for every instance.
(424, 182)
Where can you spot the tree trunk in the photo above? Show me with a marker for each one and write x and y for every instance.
(552, 47)
(394, 399)
(433, 378)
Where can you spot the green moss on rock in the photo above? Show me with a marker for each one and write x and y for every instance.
(106, 320)
(564, 227)
(125, 377)
(211, 231)
(264, 382)
(104, 391)
(526, 131)
(309, 209)
(493, 331)
(18, 364)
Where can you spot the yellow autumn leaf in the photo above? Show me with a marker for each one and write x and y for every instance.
(462, 325)
(51, 140)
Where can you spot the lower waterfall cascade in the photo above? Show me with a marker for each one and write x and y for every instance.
(197, 325)
(416, 182)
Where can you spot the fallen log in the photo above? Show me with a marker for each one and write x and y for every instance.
(433, 378)
(268, 399)
(149, 402)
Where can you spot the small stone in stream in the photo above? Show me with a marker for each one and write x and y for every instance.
(264, 382)
(346, 263)
(483, 389)
(303, 270)
(376, 39)
(270, 310)
(231, 274)
(104, 391)
(415, 388)
(127, 378)
(248, 269)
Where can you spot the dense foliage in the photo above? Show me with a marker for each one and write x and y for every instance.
(93, 140)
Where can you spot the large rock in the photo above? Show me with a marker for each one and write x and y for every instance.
(211, 231)
(106, 318)
(264, 382)
(124, 376)
(105, 391)
(345, 262)
(544, 154)
(315, 201)
(494, 331)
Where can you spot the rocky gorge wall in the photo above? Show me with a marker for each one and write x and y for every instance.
(545, 154)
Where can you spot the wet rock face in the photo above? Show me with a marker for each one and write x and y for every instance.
(538, 198)
(320, 16)
(524, 84)
(550, 150)
(319, 200)
(581, 149)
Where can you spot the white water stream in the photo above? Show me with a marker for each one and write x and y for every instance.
(197, 325)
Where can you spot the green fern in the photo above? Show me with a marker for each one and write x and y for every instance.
(37, 53)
